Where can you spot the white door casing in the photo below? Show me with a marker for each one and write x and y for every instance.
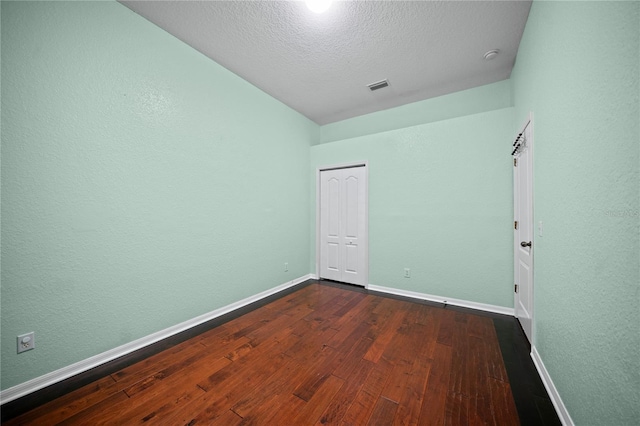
(523, 228)
(342, 212)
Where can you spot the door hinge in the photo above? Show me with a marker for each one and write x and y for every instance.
(515, 288)
(515, 225)
(515, 162)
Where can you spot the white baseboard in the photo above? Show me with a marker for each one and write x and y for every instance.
(449, 301)
(562, 411)
(48, 379)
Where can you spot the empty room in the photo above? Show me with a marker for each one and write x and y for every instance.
(254, 212)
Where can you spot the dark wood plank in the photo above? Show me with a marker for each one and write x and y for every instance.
(70, 404)
(480, 411)
(143, 369)
(395, 386)
(481, 327)
(350, 305)
(433, 405)
(459, 382)
(284, 406)
(410, 402)
(92, 415)
(182, 355)
(347, 326)
(456, 409)
(316, 405)
(179, 375)
(425, 315)
(402, 352)
(341, 402)
(258, 400)
(447, 326)
(276, 326)
(495, 361)
(353, 360)
(431, 321)
(502, 403)
(387, 331)
(289, 409)
(383, 413)
(155, 409)
(157, 395)
(226, 388)
(228, 418)
(311, 345)
(360, 410)
(306, 389)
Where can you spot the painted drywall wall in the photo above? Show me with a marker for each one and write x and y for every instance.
(466, 102)
(577, 70)
(439, 197)
(142, 184)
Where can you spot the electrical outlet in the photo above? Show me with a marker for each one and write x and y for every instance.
(286, 266)
(407, 273)
(26, 342)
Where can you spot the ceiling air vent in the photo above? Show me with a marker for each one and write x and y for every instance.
(378, 85)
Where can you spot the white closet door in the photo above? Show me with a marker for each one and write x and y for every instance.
(343, 239)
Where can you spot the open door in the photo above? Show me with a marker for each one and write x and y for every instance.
(523, 227)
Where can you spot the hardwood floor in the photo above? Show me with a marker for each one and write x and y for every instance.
(320, 355)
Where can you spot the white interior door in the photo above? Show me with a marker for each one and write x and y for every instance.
(523, 232)
(343, 231)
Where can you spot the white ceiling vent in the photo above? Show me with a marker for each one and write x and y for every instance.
(378, 85)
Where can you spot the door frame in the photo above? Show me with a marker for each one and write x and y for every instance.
(516, 295)
(349, 165)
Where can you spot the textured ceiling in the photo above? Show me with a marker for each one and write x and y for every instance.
(320, 65)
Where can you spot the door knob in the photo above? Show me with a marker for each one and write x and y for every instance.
(523, 244)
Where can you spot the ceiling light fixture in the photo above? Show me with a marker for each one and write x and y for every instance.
(491, 54)
(318, 6)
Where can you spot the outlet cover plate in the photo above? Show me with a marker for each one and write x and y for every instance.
(26, 342)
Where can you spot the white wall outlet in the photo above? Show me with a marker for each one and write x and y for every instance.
(407, 273)
(26, 342)
(286, 266)
(540, 229)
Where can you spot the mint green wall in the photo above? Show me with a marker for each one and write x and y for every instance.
(440, 203)
(466, 102)
(142, 184)
(577, 70)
